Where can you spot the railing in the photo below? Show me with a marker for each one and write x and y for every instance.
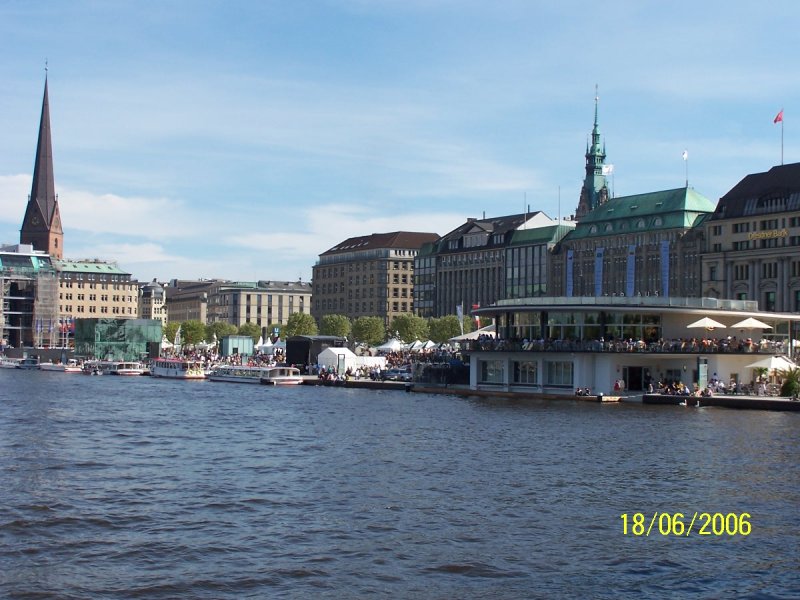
(679, 346)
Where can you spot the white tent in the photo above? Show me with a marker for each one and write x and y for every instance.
(416, 345)
(336, 357)
(474, 335)
(165, 343)
(428, 345)
(267, 347)
(393, 345)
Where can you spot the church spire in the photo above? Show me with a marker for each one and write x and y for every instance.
(41, 226)
(595, 187)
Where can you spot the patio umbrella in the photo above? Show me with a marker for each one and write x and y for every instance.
(705, 323)
(751, 323)
(773, 363)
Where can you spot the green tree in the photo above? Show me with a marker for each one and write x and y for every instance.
(443, 328)
(791, 382)
(369, 330)
(250, 329)
(409, 328)
(221, 329)
(300, 324)
(170, 329)
(338, 325)
(192, 332)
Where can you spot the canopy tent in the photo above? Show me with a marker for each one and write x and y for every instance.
(751, 323)
(489, 330)
(705, 323)
(343, 359)
(165, 343)
(428, 345)
(204, 345)
(773, 363)
(415, 345)
(393, 345)
(266, 347)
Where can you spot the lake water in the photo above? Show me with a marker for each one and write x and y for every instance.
(145, 488)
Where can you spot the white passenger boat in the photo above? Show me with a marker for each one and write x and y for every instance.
(70, 366)
(31, 362)
(281, 376)
(8, 363)
(237, 374)
(123, 368)
(176, 368)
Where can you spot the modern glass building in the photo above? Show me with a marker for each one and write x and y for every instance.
(117, 339)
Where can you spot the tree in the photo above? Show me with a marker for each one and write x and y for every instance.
(170, 330)
(300, 324)
(338, 325)
(443, 328)
(250, 329)
(369, 330)
(192, 332)
(791, 382)
(220, 328)
(409, 327)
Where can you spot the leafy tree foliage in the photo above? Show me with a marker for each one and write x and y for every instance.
(250, 329)
(443, 328)
(335, 325)
(221, 328)
(170, 329)
(409, 328)
(791, 382)
(300, 324)
(192, 332)
(369, 330)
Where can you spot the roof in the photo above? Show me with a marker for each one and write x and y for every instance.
(759, 193)
(681, 208)
(88, 266)
(412, 240)
(489, 227)
(43, 191)
(541, 235)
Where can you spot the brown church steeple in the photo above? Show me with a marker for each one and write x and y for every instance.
(41, 226)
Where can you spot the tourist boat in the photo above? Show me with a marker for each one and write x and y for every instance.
(31, 362)
(281, 376)
(176, 368)
(70, 366)
(237, 374)
(122, 368)
(8, 363)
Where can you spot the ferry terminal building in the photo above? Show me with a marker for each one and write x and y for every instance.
(554, 345)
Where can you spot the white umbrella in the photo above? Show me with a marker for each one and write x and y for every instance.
(773, 363)
(750, 323)
(705, 323)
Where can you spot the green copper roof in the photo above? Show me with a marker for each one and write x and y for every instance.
(80, 266)
(540, 235)
(680, 208)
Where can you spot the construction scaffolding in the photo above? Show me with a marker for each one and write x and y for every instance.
(28, 301)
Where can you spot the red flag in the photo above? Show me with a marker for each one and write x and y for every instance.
(778, 117)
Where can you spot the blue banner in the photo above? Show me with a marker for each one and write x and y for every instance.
(630, 276)
(665, 268)
(570, 287)
(598, 271)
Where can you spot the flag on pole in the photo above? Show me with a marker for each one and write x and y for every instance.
(779, 117)
(608, 169)
(685, 155)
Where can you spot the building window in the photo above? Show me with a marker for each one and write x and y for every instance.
(491, 371)
(526, 372)
(558, 373)
(769, 301)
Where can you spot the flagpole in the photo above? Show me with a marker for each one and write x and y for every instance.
(781, 140)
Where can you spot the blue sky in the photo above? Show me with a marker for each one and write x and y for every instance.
(242, 139)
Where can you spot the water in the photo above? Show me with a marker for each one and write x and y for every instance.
(141, 488)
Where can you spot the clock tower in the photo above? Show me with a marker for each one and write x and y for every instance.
(41, 226)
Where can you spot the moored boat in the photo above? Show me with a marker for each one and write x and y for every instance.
(8, 363)
(237, 374)
(70, 366)
(123, 368)
(31, 362)
(176, 368)
(281, 376)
